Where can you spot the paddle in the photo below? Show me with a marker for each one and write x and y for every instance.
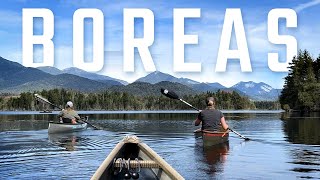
(44, 100)
(173, 95)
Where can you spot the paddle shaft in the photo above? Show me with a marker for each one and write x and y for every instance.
(238, 134)
(53, 105)
(189, 105)
(90, 123)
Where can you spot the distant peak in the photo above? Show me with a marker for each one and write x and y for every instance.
(71, 68)
(74, 69)
(156, 72)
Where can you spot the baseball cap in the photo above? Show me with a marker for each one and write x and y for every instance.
(70, 104)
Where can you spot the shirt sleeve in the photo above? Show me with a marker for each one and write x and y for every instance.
(76, 115)
(221, 114)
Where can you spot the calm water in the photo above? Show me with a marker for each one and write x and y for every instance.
(281, 147)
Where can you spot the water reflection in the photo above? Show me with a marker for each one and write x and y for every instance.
(160, 116)
(23, 125)
(216, 154)
(286, 148)
(145, 116)
(306, 162)
(214, 157)
(302, 130)
(65, 140)
(15, 117)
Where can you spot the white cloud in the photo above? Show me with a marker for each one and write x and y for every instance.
(301, 7)
(304, 6)
(10, 18)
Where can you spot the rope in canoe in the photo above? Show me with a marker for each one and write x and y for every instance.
(119, 163)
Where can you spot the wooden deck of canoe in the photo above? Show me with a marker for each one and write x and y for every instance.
(65, 127)
(131, 157)
(211, 138)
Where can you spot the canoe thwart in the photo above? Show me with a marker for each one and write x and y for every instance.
(122, 163)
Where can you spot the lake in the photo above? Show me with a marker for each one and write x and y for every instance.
(281, 146)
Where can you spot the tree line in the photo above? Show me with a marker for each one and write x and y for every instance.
(302, 85)
(125, 101)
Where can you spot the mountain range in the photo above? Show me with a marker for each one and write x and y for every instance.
(255, 91)
(15, 78)
(157, 76)
(84, 74)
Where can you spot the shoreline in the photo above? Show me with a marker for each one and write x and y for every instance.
(143, 112)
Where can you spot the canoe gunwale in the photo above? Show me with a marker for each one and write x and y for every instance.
(215, 133)
(163, 164)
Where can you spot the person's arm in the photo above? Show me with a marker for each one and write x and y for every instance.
(60, 114)
(76, 115)
(223, 123)
(197, 122)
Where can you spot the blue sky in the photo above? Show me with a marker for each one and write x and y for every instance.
(208, 28)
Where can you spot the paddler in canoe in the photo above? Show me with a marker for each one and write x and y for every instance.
(211, 118)
(214, 126)
(69, 115)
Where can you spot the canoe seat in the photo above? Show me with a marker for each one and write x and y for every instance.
(135, 163)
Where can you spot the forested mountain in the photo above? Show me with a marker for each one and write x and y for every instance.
(216, 85)
(14, 74)
(93, 76)
(90, 94)
(16, 78)
(258, 91)
(157, 76)
(66, 81)
(108, 100)
(147, 89)
(255, 91)
(203, 87)
(78, 72)
(50, 70)
(302, 85)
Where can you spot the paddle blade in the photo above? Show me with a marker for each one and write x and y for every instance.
(41, 99)
(169, 94)
(44, 100)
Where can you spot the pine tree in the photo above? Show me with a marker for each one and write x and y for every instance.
(301, 88)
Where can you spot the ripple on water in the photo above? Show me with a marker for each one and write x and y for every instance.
(271, 153)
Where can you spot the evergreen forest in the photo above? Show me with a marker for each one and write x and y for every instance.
(301, 89)
(125, 101)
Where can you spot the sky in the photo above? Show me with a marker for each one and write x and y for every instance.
(208, 28)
